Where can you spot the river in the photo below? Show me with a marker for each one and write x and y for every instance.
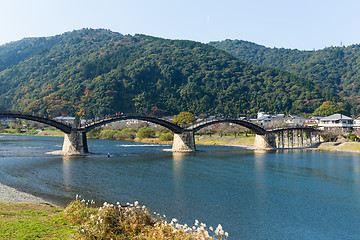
(253, 195)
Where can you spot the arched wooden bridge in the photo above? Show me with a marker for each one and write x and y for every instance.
(75, 141)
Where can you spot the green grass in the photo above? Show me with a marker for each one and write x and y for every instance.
(33, 221)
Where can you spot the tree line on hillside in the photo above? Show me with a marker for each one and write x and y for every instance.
(333, 69)
(99, 72)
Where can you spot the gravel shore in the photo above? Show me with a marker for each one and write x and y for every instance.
(11, 195)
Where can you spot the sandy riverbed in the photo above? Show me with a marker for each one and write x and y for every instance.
(11, 195)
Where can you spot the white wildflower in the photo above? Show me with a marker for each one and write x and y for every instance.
(219, 227)
(211, 228)
(196, 222)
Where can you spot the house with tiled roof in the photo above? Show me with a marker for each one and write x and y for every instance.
(336, 121)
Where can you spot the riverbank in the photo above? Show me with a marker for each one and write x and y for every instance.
(11, 195)
(23, 216)
(340, 147)
(34, 221)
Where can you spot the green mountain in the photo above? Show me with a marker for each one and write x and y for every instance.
(335, 68)
(98, 72)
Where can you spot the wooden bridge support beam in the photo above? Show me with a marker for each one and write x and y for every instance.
(184, 142)
(289, 138)
(75, 143)
(302, 138)
(278, 140)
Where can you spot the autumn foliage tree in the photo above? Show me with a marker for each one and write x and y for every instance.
(184, 118)
(327, 108)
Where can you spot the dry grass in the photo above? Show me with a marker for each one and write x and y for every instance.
(131, 222)
(216, 140)
(346, 146)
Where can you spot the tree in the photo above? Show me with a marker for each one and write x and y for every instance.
(184, 118)
(327, 109)
(146, 132)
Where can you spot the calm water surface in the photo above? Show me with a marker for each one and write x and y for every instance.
(278, 195)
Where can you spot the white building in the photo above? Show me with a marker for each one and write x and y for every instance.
(295, 121)
(68, 120)
(313, 121)
(357, 123)
(266, 119)
(336, 121)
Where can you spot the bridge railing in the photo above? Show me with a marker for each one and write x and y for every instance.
(205, 121)
(26, 114)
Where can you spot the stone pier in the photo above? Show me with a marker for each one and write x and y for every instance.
(75, 143)
(267, 141)
(184, 142)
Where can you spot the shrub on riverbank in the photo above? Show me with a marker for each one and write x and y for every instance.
(146, 132)
(166, 136)
(132, 222)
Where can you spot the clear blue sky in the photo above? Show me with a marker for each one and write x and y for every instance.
(301, 24)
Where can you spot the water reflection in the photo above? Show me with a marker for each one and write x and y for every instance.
(178, 160)
(66, 167)
(178, 164)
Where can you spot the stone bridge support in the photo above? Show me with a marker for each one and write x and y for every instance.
(75, 143)
(267, 141)
(184, 142)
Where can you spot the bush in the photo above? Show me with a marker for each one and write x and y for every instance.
(95, 133)
(169, 136)
(125, 134)
(352, 137)
(132, 222)
(107, 134)
(78, 213)
(146, 132)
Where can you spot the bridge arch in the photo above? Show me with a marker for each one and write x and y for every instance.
(171, 126)
(61, 126)
(253, 127)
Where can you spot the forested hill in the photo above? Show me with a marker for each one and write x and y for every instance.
(99, 72)
(334, 68)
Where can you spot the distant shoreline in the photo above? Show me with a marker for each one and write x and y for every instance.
(243, 142)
